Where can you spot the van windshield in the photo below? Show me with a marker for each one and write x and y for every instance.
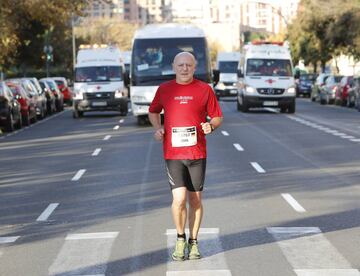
(98, 74)
(268, 67)
(152, 59)
(228, 66)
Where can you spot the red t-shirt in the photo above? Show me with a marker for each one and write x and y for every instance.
(185, 106)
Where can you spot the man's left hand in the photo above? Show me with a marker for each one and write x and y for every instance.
(206, 127)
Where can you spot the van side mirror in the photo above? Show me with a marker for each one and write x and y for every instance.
(240, 73)
(216, 76)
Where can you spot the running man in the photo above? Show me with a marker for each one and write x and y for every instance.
(186, 103)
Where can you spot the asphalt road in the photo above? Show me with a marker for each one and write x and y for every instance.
(90, 196)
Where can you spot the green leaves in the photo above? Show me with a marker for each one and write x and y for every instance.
(324, 29)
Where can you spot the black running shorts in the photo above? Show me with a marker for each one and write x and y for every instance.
(186, 173)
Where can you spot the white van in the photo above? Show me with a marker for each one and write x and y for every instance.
(267, 79)
(99, 81)
(153, 51)
(227, 65)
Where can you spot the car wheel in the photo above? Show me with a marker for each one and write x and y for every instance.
(26, 119)
(238, 105)
(77, 114)
(19, 124)
(9, 123)
(142, 120)
(291, 108)
(34, 119)
(124, 109)
(244, 106)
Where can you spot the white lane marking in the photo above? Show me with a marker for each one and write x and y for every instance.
(222, 272)
(325, 129)
(307, 248)
(116, 127)
(107, 137)
(78, 175)
(271, 109)
(96, 152)
(238, 147)
(225, 133)
(8, 239)
(47, 212)
(327, 272)
(84, 255)
(95, 235)
(338, 134)
(293, 203)
(121, 121)
(257, 167)
(213, 261)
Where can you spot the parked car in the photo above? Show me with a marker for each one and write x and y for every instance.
(342, 93)
(26, 100)
(51, 99)
(354, 92)
(59, 97)
(64, 88)
(318, 85)
(304, 84)
(328, 91)
(37, 85)
(10, 110)
(40, 98)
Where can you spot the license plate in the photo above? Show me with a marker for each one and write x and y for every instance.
(270, 103)
(99, 104)
(233, 91)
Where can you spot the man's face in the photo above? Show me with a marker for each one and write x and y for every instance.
(184, 68)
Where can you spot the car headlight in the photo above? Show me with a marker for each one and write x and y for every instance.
(79, 95)
(220, 86)
(119, 94)
(291, 90)
(250, 89)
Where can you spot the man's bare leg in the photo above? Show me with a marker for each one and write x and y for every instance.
(195, 213)
(178, 208)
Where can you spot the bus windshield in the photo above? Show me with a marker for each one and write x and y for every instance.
(98, 74)
(152, 59)
(268, 67)
(228, 66)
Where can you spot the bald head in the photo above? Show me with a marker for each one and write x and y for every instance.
(184, 67)
(184, 54)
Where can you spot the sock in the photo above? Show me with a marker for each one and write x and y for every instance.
(181, 236)
(192, 241)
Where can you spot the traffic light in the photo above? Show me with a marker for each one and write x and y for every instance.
(49, 57)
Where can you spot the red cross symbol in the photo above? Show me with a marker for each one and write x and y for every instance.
(270, 81)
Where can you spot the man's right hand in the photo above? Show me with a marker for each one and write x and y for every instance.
(159, 134)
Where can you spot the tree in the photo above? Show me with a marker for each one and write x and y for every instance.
(107, 31)
(23, 25)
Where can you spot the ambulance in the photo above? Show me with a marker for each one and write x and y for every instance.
(227, 65)
(99, 81)
(267, 78)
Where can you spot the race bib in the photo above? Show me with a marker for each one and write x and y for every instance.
(183, 136)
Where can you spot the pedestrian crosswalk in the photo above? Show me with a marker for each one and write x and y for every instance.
(84, 254)
(306, 249)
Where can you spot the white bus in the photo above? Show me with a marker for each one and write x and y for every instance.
(267, 79)
(99, 81)
(153, 51)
